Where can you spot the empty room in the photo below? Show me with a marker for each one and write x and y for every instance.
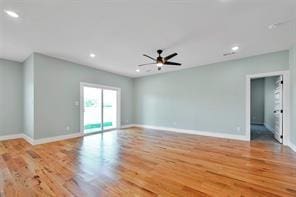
(147, 98)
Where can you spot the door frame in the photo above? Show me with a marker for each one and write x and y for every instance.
(84, 84)
(286, 102)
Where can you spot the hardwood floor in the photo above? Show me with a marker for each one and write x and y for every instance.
(136, 162)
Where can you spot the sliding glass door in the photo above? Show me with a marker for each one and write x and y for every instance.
(92, 118)
(100, 110)
(110, 109)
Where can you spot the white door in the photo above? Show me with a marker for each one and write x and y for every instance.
(278, 110)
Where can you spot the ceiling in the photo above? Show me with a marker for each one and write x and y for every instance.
(120, 31)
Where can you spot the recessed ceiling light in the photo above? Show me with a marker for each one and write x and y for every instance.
(92, 55)
(235, 48)
(272, 26)
(138, 70)
(11, 13)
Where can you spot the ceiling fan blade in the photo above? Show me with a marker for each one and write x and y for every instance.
(146, 64)
(172, 63)
(170, 56)
(149, 57)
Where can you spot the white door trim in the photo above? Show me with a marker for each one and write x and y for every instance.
(286, 102)
(83, 84)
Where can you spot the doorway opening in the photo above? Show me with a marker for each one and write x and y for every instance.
(99, 109)
(267, 107)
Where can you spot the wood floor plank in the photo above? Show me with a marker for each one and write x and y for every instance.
(139, 162)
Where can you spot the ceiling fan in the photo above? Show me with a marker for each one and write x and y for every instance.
(161, 61)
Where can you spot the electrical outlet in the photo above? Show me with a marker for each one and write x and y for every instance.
(68, 128)
(238, 129)
(174, 123)
(76, 103)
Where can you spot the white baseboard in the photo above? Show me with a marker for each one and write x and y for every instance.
(195, 132)
(28, 139)
(11, 137)
(49, 139)
(40, 141)
(127, 126)
(57, 138)
(75, 135)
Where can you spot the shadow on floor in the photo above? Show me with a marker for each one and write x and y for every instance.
(261, 133)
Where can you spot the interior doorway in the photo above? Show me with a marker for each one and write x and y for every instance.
(267, 107)
(100, 108)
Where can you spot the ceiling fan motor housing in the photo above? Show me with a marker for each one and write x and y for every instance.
(159, 60)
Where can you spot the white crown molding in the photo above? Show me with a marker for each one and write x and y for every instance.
(195, 132)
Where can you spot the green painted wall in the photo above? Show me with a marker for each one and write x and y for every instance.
(207, 98)
(11, 98)
(57, 87)
(257, 101)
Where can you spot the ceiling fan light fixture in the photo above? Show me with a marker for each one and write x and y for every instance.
(159, 64)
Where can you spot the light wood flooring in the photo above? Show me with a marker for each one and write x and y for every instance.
(137, 162)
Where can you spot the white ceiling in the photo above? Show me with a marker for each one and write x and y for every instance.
(120, 31)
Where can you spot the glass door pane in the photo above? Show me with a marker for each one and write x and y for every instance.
(109, 109)
(92, 109)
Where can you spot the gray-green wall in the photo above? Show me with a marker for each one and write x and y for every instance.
(292, 61)
(11, 98)
(57, 88)
(257, 101)
(207, 98)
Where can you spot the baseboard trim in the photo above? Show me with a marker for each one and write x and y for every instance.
(57, 138)
(127, 126)
(11, 137)
(28, 139)
(42, 140)
(195, 132)
(49, 139)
